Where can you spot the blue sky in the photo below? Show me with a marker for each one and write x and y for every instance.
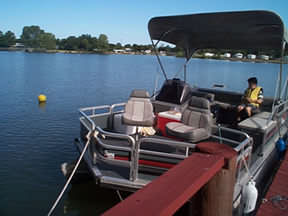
(123, 21)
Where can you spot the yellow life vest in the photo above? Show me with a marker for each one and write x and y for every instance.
(253, 94)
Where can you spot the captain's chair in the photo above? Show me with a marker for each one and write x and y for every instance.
(195, 123)
(139, 110)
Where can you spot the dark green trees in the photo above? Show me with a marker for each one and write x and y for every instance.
(103, 43)
(34, 37)
(7, 39)
(47, 41)
(84, 42)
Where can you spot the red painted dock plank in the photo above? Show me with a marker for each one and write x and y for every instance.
(279, 186)
(161, 198)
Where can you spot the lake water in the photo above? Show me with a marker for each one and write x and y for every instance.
(36, 140)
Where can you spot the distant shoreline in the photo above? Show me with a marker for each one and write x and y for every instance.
(233, 59)
(31, 50)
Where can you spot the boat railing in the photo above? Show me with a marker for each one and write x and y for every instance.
(119, 107)
(88, 114)
(279, 110)
(130, 149)
(134, 144)
(243, 147)
(94, 113)
(134, 149)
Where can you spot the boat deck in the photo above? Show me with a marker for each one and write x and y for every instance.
(279, 187)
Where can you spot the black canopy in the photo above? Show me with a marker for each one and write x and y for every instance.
(223, 30)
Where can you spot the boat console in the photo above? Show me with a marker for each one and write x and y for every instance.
(174, 91)
(174, 94)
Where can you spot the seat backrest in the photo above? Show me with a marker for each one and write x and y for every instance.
(139, 109)
(208, 96)
(198, 113)
(139, 93)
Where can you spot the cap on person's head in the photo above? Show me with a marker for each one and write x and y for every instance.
(252, 80)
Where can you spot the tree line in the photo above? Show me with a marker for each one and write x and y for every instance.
(35, 37)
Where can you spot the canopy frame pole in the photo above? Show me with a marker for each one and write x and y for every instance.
(284, 90)
(278, 94)
(185, 69)
(185, 73)
(281, 70)
(158, 58)
(188, 57)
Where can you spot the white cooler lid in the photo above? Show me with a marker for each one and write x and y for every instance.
(172, 114)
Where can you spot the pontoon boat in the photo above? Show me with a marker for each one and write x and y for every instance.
(134, 142)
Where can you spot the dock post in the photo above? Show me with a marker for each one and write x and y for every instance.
(216, 197)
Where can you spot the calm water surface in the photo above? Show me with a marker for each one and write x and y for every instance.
(36, 140)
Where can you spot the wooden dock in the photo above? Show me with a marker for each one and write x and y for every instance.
(276, 199)
(209, 171)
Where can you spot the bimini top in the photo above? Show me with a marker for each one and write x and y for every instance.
(223, 30)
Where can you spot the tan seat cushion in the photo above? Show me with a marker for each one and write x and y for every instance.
(186, 132)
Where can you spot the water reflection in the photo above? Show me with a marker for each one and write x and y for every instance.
(42, 106)
(88, 199)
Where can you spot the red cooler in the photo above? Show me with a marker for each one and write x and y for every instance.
(164, 117)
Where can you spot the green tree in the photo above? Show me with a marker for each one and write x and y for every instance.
(30, 36)
(128, 46)
(71, 43)
(84, 44)
(118, 46)
(47, 41)
(94, 43)
(136, 48)
(33, 36)
(7, 39)
(10, 38)
(2, 39)
(103, 42)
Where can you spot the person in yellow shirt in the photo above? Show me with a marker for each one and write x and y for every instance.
(252, 98)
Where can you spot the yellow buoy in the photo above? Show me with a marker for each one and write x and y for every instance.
(42, 98)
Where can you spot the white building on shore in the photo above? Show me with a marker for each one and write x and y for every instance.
(119, 51)
(238, 55)
(148, 51)
(18, 45)
(227, 55)
(207, 54)
(251, 56)
(264, 57)
(128, 49)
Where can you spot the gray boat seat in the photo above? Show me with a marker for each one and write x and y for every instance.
(139, 109)
(196, 121)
